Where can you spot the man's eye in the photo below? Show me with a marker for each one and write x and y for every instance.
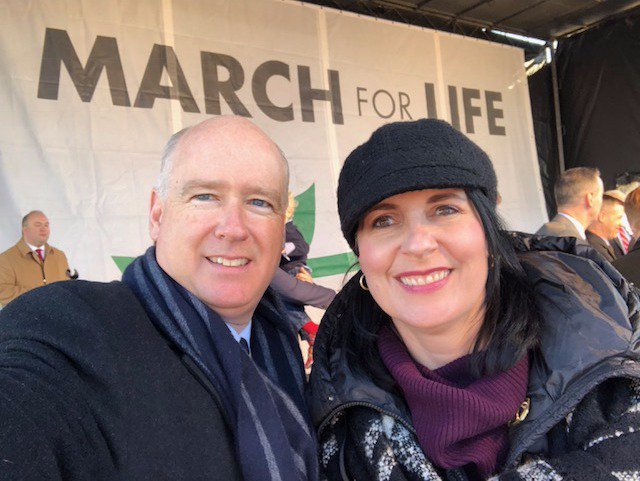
(382, 221)
(446, 210)
(261, 203)
(203, 197)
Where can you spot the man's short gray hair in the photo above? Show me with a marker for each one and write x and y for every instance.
(162, 184)
(574, 183)
(26, 218)
(285, 163)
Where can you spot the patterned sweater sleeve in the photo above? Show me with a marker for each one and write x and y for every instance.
(602, 440)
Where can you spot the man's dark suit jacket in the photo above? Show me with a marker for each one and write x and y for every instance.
(616, 245)
(629, 265)
(599, 244)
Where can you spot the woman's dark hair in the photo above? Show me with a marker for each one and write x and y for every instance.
(511, 322)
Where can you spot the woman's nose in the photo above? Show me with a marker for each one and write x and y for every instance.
(420, 239)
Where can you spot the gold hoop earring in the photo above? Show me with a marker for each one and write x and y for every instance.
(361, 281)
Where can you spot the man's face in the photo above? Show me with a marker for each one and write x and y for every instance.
(611, 218)
(36, 232)
(220, 230)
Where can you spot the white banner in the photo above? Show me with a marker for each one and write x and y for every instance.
(90, 90)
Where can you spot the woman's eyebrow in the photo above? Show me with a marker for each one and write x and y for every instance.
(444, 196)
(382, 206)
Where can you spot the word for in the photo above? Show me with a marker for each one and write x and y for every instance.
(387, 105)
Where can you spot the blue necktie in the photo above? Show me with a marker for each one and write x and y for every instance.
(244, 344)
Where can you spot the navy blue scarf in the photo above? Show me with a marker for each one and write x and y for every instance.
(262, 395)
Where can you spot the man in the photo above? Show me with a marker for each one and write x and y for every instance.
(31, 262)
(185, 370)
(629, 265)
(604, 229)
(619, 249)
(578, 194)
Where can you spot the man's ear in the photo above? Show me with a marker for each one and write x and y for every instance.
(155, 215)
(589, 198)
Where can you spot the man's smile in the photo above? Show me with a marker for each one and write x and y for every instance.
(235, 262)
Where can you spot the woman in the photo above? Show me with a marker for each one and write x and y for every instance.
(461, 351)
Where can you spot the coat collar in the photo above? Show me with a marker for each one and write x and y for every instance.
(25, 250)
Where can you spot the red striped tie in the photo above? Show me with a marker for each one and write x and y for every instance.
(624, 239)
(39, 252)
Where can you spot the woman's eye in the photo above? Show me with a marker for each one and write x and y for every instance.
(446, 210)
(382, 221)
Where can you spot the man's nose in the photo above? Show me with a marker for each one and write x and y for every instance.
(232, 223)
(420, 239)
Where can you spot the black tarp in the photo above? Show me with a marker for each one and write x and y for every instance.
(544, 128)
(599, 81)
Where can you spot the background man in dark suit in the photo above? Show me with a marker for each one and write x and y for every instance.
(604, 229)
(629, 265)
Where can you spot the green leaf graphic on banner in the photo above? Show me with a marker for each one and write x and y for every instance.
(122, 262)
(332, 265)
(305, 220)
(305, 215)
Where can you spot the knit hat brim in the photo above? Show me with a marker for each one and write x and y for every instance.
(408, 156)
(394, 183)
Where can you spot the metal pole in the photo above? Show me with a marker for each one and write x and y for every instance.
(556, 110)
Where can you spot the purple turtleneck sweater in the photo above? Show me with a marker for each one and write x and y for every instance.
(458, 419)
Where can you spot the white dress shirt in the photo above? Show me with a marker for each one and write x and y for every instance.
(33, 248)
(244, 334)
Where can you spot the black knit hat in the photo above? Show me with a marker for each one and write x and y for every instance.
(405, 156)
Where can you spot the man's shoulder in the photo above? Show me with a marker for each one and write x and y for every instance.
(54, 250)
(91, 292)
(633, 257)
(13, 251)
(595, 238)
(546, 226)
(72, 305)
(558, 226)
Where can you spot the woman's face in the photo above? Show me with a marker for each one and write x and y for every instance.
(424, 255)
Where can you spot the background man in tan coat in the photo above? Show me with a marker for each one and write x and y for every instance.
(31, 262)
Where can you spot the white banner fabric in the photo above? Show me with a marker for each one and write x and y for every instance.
(91, 90)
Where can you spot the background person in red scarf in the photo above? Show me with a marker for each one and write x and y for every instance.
(462, 351)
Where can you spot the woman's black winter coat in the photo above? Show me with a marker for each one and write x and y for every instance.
(584, 421)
